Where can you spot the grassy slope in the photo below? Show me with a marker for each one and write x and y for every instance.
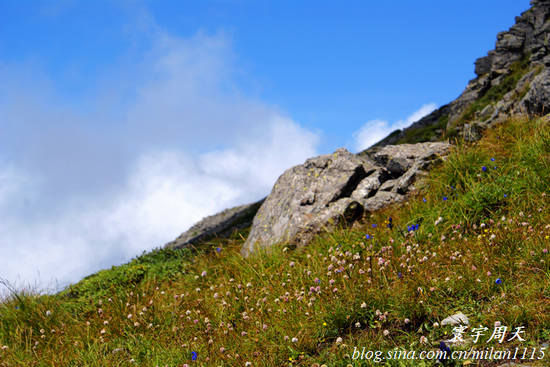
(160, 308)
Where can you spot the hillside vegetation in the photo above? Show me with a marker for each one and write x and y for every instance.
(473, 239)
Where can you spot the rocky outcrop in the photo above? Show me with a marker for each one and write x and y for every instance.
(218, 225)
(336, 189)
(514, 78)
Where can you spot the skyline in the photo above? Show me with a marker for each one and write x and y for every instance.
(124, 123)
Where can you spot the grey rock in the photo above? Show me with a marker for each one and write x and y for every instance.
(388, 185)
(397, 159)
(307, 196)
(381, 200)
(537, 99)
(336, 189)
(456, 319)
(369, 185)
(218, 225)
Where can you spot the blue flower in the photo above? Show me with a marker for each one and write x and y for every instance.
(218, 249)
(444, 198)
(492, 159)
(414, 227)
(194, 356)
(368, 236)
(484, 168)
(505, 195)
(374, 225)
(498, 281)
(452, 187)
(399, 275)
(444, 348)
(390, 223)
(495, 167)
(424, 199)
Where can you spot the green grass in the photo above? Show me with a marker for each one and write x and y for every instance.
(161, 307)
(426, 133)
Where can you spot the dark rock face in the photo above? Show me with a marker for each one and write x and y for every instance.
(336, 189)
(218, 225)
(512, 79)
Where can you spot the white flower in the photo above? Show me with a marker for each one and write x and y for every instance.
(339, 340)
(295, 340)
(438, 220)
(48, 313)
(363, 305)
(386, 332)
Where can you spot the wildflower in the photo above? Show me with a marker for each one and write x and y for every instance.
(399, 275)
(48, 313)
(505, 195)
(248, 364)
(294, 340)
(218, 249)
(357, 324)
(497, 324)
(291, 264)
(368, 236)
(194, 356)
(203, 274)
(339, 340)
(545, 250)
(498, 281)
(390, 223)
(438, 220)
(492, 159)
(363, 305)
(483, 168)
(444, 198)
(436, 324)
(374, 225)
(386, 332)
(424, 200)
(317, 280)
(423, 340)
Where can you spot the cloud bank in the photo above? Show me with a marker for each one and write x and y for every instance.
(375, 130)
(162, 143)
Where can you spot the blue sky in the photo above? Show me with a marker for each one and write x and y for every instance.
(123, 122)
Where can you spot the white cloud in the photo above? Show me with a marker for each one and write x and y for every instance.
(375, 130)
(82, 191)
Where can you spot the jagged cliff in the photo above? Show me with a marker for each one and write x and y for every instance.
(514, 78)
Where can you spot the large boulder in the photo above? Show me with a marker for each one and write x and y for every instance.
(335, 189)
(218, 225)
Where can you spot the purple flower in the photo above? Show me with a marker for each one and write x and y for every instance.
(374, 225)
